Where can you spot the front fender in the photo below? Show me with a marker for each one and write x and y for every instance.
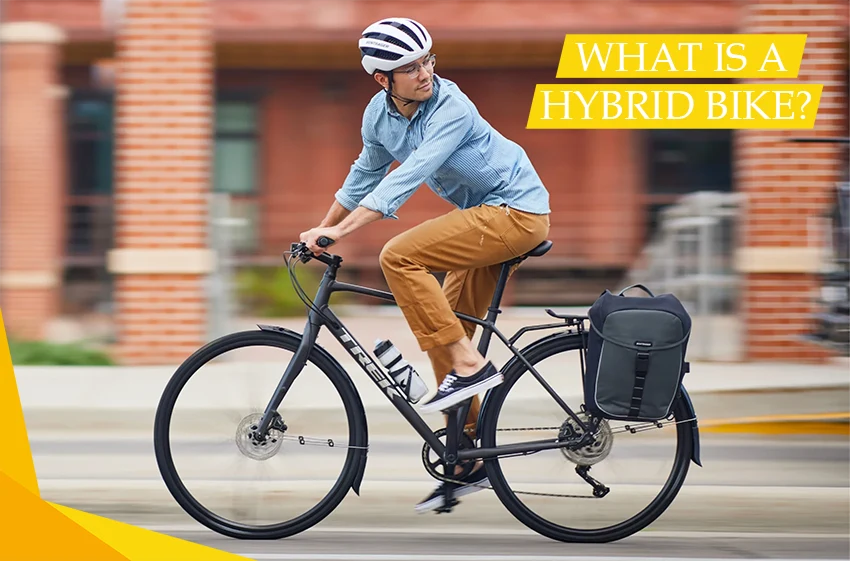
(361, 429)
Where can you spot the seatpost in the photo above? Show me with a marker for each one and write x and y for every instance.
(493, 311)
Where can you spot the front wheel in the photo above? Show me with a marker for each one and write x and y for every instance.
(633, 476)
(227, 479)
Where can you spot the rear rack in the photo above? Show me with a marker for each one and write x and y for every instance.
(574, 324)
(570, 321)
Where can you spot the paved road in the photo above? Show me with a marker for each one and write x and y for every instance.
(782, 497)
(467, 543)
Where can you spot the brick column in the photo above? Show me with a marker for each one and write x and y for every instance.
(788, 185)
(31, 177)
(164, 95)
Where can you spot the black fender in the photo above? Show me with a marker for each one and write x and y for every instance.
(691, 414)
(361, 428)
(531, 347)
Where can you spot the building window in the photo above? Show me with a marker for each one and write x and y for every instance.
(685, 161)
(89, 215)
(89, 234)
(236, 170)
(91, 146)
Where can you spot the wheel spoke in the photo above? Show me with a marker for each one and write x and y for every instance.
(246, 501)
(616, 467)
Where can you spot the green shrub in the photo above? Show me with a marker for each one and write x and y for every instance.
(43, 353)
(268, 291)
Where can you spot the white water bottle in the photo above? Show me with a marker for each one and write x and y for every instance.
(401, 371)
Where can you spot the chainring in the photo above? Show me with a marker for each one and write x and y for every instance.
(431, 466)
(594, 452)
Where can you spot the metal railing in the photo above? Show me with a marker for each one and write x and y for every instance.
(220, 289)
(692, 255)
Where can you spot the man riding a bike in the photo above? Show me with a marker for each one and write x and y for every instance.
(431, 127)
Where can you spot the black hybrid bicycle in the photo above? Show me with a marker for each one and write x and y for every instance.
(537, 449)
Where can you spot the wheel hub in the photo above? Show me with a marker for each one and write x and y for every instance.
(250, 446)
(592, 453)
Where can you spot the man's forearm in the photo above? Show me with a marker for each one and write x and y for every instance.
(358, 218)
(335, 215)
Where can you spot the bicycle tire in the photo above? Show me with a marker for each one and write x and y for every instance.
(547, 348)
(357, 436)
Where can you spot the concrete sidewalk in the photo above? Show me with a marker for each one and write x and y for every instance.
(125, 398)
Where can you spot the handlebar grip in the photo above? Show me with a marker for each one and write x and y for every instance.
(324, 241)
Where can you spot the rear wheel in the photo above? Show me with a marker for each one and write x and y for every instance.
(235, 484)
(642, 470)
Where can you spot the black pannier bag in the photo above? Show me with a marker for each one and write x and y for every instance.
(636, 350)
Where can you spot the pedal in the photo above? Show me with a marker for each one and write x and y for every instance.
(447, 508)
(466, 403)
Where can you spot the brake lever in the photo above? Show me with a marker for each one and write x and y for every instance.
(299, 251)
(303, 254)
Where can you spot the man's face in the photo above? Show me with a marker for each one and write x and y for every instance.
(414, 80)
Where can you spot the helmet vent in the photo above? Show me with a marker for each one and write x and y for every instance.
(378, 53)
(388, 39)
(400, 26)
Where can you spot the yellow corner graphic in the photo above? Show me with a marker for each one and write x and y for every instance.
(33, 529)
(16, 459)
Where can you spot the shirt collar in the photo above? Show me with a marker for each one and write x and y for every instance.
(423, 106)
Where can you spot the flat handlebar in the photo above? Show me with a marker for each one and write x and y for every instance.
(300, 251)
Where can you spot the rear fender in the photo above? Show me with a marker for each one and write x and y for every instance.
(691, 414)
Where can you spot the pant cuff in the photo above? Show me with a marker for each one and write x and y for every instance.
(452, 333)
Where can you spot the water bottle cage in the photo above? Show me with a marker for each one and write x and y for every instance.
(404, 388)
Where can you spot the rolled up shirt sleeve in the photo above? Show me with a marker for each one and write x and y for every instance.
(446, 130)
(365, 173)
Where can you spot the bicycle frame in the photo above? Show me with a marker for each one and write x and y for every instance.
(447, 452)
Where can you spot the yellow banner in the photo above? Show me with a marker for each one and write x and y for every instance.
(674, 106)
(682, 56)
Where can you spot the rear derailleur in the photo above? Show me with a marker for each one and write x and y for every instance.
(599, 489)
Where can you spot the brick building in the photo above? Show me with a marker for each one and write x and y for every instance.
(119, 117)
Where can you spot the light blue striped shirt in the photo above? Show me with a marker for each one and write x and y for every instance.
(446, 145)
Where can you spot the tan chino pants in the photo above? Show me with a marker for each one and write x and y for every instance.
(469, 246)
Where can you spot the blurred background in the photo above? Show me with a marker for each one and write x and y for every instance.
(159, 156)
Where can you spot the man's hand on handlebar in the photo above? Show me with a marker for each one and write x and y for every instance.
(318, 239)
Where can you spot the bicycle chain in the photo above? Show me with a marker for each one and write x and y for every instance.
(445, 479)
(640, 427)
(631, 429)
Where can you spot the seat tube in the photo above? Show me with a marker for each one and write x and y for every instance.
(493, 311)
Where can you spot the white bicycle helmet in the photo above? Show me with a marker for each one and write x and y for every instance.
(391, 43)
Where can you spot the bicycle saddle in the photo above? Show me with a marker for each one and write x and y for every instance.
(541, 249)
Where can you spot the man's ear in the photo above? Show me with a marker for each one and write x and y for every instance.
(382, 79)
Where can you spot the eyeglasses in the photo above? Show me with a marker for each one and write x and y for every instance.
(413, 71)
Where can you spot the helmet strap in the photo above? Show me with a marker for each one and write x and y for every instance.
(390, 93)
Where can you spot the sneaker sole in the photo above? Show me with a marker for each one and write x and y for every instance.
(463, 394)
(437, 502)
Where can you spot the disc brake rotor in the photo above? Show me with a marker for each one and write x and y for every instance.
(594, 452)
(252, 448)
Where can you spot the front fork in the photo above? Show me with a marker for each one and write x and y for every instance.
(271, 418)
